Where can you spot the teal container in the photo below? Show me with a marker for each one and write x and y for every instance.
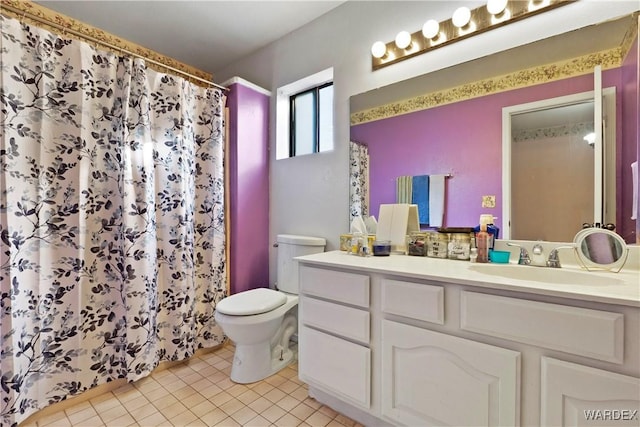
(499, 257)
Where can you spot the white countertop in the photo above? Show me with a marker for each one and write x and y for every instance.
(613, 288)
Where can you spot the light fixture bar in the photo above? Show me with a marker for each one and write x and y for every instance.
(480, 22)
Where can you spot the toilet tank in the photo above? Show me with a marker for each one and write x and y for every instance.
(289, 247)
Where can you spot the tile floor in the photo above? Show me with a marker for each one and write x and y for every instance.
(199, 392)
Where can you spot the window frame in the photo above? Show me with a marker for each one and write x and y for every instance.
(316, 117)
(283, 115)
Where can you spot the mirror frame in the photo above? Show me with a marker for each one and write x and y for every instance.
(600, 197)
(587, 262)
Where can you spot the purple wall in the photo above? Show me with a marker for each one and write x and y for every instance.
(465, 139)
(249, 188)
(631, 134)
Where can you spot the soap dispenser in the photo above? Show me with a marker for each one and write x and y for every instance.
(493, 231)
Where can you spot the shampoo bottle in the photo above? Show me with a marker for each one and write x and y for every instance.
(483, 241)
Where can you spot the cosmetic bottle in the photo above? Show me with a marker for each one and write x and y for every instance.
(493, 231)
(483, 241)
(473, 255)
(356, 243)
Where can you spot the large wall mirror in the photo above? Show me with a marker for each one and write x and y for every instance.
(457, 128)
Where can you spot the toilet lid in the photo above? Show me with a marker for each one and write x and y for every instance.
(254, 301)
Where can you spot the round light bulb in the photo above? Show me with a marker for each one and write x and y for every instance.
(461, 17)
(378, 50)
(403, 39)
(495, 7)
(431, 28)
(590, 138)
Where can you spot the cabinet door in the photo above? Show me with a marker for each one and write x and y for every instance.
(429, 378)
(339, 366)
(576, 395)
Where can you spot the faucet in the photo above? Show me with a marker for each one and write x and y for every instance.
(537, 257)
(554, 257)
(524, 258)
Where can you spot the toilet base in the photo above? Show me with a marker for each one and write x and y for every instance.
(255, 362)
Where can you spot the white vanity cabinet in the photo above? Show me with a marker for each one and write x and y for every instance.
(429, 378)
(334, 333)
(389, 342)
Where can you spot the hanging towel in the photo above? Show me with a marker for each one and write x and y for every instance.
(403, 189)
(420, 197)
(436, 200)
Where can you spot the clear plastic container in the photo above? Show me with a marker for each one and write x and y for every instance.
(417, 244)
(438, 245)
(459, 246)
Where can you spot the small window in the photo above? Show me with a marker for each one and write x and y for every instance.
(304, 116)
(311, 121)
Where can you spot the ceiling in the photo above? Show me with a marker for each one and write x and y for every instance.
(208, 35)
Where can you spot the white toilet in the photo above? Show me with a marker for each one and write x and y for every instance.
(261, 321)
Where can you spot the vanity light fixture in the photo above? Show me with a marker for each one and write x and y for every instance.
(464, 23)
(498, 10)
(431, 29)
(537, 4)
(496, 7)
(461, 17)
(403, 40)
(378, 50)
(462, 20)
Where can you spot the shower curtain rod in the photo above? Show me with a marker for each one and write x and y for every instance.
(82, 36)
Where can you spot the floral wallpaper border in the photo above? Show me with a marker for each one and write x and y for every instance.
(96, 33)
(631, 35)
(532, 76)
(572, 129)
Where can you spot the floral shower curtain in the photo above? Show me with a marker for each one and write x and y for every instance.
(358, 180)
(112, 242)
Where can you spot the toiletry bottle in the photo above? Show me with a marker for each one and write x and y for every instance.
(473, 255)
(363, 246)
(483, 240)
(493, 231)
(356, 243)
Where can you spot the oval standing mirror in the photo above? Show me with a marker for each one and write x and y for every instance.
(598, 248)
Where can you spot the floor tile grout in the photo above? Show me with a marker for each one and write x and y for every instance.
(199, 392)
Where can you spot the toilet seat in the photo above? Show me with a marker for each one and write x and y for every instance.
(254, 301)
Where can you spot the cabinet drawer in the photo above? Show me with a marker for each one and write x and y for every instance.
(340, 366)
(421, 302)
(582, 331)
(346, 321)
(338, 286)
